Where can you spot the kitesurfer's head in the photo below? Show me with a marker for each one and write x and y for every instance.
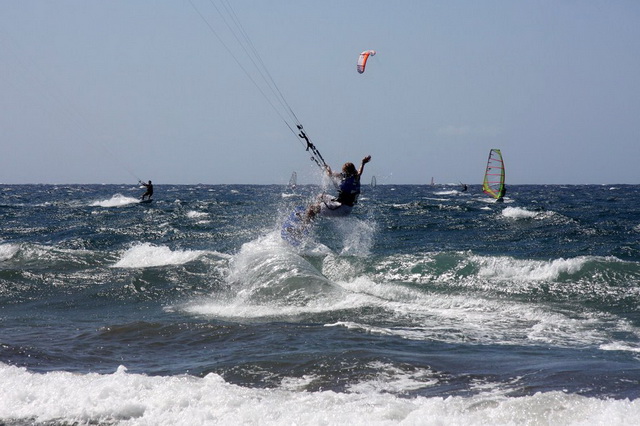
(349, 169)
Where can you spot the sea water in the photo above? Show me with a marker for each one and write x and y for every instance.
(427, 306)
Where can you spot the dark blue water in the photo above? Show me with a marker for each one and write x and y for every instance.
(425, 300)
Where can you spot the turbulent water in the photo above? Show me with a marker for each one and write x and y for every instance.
(426, 306)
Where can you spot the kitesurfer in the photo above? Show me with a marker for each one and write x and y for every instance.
(348, 192)
(149, 187)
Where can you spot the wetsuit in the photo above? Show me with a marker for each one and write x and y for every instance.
(348, 193)
(149, 192)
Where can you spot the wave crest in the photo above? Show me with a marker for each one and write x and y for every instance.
(148, 255)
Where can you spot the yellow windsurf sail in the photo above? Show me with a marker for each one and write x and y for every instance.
(494, 175)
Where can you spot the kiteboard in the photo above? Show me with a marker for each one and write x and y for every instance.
(147, 201)
(295, 227)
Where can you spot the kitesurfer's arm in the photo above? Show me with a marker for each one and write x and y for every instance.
(365, 160)
(328, 170)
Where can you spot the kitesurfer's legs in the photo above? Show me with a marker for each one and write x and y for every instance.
(335, 211)
(327, 206)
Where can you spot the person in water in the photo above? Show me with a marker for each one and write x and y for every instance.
(149, 187)
(348, 192)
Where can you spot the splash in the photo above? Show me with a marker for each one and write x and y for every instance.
(267, 278)
(268, 271)
(358, 236)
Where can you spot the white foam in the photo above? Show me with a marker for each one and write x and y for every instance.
(42, 253)
(238, 309)
(496, 271)
(508, 269)
(411, 313)
(136, 399)
(117, 200)
(518, 213)
(267, 280)
(196, 215)
(7, 251)
(148, 255)
(619, 346)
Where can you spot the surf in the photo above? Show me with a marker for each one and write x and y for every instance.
(124, 397)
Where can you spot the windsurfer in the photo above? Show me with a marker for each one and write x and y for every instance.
(149, 187)
(348, 192)
(503, 191)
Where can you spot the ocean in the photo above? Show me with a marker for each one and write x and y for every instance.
(427, 306)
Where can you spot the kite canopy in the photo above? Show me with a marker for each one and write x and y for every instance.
(362, 59)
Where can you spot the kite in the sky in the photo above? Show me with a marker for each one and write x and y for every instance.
(362, 60)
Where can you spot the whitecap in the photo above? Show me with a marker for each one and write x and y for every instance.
(518, 213)
(7, 251)
(195, 215)
(508, 269)
(148, 255)
(115, 201)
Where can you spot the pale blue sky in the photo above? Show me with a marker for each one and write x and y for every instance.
(111, 91)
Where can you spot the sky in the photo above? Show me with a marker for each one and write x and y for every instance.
(120, 90)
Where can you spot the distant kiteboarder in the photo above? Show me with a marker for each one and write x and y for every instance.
(348, 192)
(464, 187)
(149, 192)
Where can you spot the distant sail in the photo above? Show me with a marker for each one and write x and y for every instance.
(494, 175)
(374, 183)
(293, 181)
